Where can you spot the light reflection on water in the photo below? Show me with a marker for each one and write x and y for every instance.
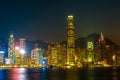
(2, 74)
(60, 74)
(17, 74)
(115, 74)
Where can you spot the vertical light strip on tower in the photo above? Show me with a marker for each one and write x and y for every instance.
(39, 56)
(70, 41)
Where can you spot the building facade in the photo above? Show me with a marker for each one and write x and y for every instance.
(22, 50)
(70, 41)
(11, 48)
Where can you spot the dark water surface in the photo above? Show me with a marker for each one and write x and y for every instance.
(109, 73)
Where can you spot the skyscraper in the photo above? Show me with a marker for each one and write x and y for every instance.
(22, 50)
(22, 43)
(102, 46)
(90, 52)
(36, 55)
(11, 47)
(70, 41)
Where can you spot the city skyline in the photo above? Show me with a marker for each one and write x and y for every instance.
(59, 39)
(47, 20)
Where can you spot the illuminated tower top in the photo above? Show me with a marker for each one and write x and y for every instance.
(70, 21)
(11, 35)
(70, 18)
(101, 39)
(90, 46)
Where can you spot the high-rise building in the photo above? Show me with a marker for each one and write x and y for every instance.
(17, 54)
(22, 43)
(53, 56)
(36, 55)
(22, 50)
(70, 41)
(90, 52)
(2, 57)
(11, 47)
(102, 46)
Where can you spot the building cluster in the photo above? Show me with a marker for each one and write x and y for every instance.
(58, 54)
(18, 55)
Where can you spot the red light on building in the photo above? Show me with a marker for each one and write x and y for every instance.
(17, 48)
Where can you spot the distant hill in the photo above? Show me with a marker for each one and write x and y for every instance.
(94, 37)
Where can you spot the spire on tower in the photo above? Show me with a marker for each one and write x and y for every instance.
(101, 39)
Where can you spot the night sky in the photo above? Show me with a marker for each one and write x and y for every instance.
(46, 19)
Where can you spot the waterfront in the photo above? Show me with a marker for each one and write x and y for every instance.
(92, 73)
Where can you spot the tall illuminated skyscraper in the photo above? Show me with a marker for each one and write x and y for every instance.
(22, 50)
(11, 47)
(102, 46)
(70, 41)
